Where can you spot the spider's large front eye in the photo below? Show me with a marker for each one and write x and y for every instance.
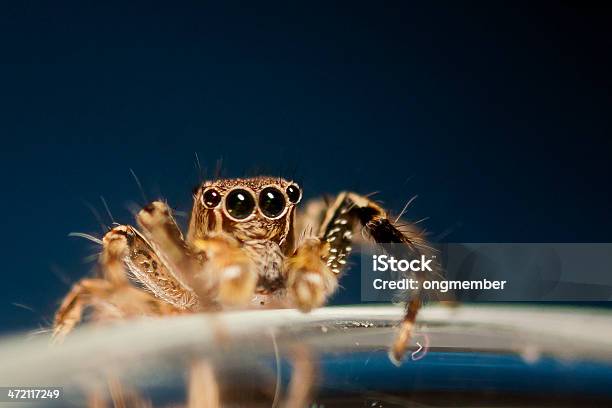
(211, 198)
(271, 202)
(240, 203)
(294, 193)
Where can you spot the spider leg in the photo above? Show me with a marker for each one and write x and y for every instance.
(228, 274)
(160, 228)
(404, 332)
(124, 397)
(336, 226)
(71, 310)
(136, 257)
(302, 383)
(95, 399)
(109, 302)
(350, 210)
(203, 388)
(309, 280)
(215, 266)
(124, 252)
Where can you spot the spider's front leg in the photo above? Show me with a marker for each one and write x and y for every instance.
(215, 266)
(341, 219)
(310, 281)
(228, 274)
(152, 261)
(124, 252)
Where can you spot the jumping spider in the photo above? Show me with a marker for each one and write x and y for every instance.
(246, 246)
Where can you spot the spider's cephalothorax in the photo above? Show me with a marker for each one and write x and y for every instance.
(260, 208)
(258, 212)
(246, 245)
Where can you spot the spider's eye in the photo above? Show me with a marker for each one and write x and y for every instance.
(294, 193)
(211, 198)
(271, 202)
(240, 203)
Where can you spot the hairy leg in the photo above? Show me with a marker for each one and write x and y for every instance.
(404, 332)
(71, 310)
(125, 397)
(302, 383)
(161, 261)
(113, 296)
(342, 218)
(95, 399)
(227, 275)
(309, 279)
(125, 252)
(139, 259)
(203, 389)
(162, 232)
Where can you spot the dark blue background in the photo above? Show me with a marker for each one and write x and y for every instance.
(496, 115)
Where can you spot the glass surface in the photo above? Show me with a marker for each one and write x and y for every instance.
(482, 355)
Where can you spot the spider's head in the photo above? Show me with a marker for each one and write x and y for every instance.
(259, 208)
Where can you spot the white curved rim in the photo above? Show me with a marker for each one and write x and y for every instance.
(567, 333)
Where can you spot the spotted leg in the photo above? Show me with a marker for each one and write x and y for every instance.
(341, 220)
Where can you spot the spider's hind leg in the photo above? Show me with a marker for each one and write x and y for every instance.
(350, 210)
